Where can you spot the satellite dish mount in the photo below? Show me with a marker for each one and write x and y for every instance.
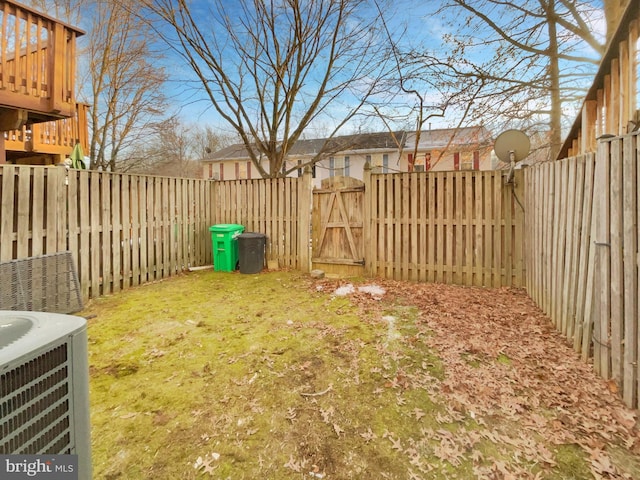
(511, 146)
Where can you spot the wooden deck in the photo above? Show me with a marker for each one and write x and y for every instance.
(611, 106)
(48, 142)
(37, 67)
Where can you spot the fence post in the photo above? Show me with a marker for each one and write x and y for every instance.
(304, 220)
(519, 265)
(212, 216)
(602, 274)
(366, 221)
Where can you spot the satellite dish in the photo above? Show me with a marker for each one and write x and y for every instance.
(512, 141)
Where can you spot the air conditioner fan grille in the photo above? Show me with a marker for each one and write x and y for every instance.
(35, 405)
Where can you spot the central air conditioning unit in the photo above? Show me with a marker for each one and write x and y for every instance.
(44, 386)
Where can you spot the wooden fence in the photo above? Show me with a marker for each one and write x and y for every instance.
(463, 228)
(122, 230)
(560, 252)
(582, 254)
(451, 227)
(577, 253)
(279, 208)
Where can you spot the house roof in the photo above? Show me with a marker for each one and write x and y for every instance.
(441, 138)
(437, 138)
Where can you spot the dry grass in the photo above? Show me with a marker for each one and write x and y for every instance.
(273, 376)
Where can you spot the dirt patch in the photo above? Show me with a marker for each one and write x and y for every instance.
(275, 376)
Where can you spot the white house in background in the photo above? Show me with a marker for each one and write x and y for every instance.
(467, 148)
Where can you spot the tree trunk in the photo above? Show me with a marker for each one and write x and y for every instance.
(555, 123)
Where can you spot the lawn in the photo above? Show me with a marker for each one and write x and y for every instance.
(279, 376)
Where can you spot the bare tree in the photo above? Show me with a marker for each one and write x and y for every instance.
(206, 140)
(529, 55)
(173, 148)
(67, 10)
(125, 83)
(270, 69)
(430, 86)
(119, 76)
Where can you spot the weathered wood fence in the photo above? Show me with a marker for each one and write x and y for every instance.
(279, 208)
(582, 254)
(462, 228)
(125, 230)
(122, 230)
(577, 253)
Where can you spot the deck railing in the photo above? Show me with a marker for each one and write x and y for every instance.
(55, 137)
(611, 105)
(37, 62)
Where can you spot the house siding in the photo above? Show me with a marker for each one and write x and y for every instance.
(431, 155)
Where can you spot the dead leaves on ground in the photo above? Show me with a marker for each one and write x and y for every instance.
(506, 394)
(508, 374)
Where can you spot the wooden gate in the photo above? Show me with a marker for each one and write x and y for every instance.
(337, 226)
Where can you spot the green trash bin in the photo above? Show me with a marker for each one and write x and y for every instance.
(224, 246)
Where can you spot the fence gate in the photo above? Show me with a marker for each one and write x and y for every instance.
(337, 226)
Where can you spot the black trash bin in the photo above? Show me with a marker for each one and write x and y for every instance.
(251, 252)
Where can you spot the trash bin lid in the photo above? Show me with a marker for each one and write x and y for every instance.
(226, 227)
(252, 235)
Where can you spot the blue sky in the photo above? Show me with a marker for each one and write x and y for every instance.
(422, 30)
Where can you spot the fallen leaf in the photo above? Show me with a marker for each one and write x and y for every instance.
(476, 456)
(418, 413)
(292, 464)
(396, 444)
(327, 414)
(626, 418)
(368, 435)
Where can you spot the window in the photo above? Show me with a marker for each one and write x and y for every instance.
(214, 175)
(466, 161)
(338, 166)
(284, 168)
(385, 163)
(221, 171)
(299, 168)
(243, 170)
(368, 160)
